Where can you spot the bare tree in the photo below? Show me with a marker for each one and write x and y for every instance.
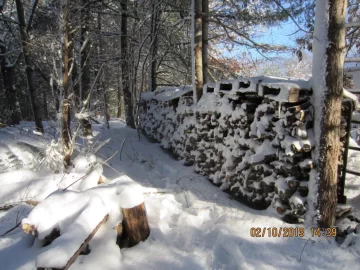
(155, 18)
(85, 59)
(197, 36)
(29, 66)
(7, 70)
(205, 37)
(67, 59)
(125, 70)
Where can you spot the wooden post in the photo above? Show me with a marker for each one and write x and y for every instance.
(135, 224)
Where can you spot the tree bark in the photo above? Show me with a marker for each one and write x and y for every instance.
(29, 68)
(66, 57)
(102, 82)
(128, 98)
(197, 48)
(7, 72)
(119, 96)
(328, 93)
(46, 113)
(84, 59)
(155, 17)
(205, 37)
(135, 224)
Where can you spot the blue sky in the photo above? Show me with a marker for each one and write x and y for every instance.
(276, 35)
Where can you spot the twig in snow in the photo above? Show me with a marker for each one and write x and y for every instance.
(132, 160)
(106, 164)
(150, 179)
(101, 145)
(93, 119)
(199, 192)
(82, 177)
(186, 199)
(302, 250)
(187, 177)
(111, 156)
(122, 145)
(11, 229)
(134, 151)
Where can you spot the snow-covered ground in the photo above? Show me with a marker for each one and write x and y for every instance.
(193, 224)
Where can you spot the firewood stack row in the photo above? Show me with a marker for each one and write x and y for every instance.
(251, 136)
(184, 139)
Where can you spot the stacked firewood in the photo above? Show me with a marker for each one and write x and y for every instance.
(252, 137)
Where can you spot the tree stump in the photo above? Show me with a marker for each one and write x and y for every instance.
(135, 224)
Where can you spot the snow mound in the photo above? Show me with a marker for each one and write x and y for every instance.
(168, 93)
(76, 215)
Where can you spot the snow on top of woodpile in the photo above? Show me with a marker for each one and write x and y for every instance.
(168, 93)
(274, 88)
(353, 97)
(278, 89)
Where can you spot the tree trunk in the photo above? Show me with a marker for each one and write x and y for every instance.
(135, 224)
(329, 44)
(128, 98)
(103, 82)
(46, 113)
(66, 136)
(205, 37)
(29, 68)
(84, 59)
(7, 72)
(66, 55)
(197, 50)
(119, 96)
(155, 17)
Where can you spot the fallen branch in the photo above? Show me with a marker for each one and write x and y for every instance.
(93, 119)
(81, 248)
(111, 156)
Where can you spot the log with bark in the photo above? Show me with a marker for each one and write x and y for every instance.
(135, 224)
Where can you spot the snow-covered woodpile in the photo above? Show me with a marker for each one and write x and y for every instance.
(251, 136)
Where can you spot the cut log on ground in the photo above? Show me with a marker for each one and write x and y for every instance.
(135, 224)
(29, 229)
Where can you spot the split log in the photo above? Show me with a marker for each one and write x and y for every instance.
(29, 229)
(55, 233)
(121, 236)
(294, 109)
(135, 224)
(9, 206)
